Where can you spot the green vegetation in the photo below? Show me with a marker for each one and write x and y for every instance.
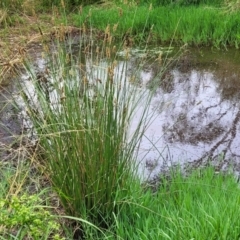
(192, 22)
(203, 205)
(81, 106)
(23, 215)
(81, 114)
(183, 25)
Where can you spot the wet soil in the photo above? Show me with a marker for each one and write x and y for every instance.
(25, 39)
(10, 124)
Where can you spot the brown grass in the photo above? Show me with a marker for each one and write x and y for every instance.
(18, 40)
(232, 5)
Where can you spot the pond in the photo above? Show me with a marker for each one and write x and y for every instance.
(199, 113)
(196, 111)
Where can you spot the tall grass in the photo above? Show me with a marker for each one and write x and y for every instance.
(206, 26)
(81, 108)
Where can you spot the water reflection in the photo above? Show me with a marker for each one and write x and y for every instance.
(195, 111)
(198, 117)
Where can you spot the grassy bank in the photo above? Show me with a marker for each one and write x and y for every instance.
(196, 23)
(202, 205)
(193, 25)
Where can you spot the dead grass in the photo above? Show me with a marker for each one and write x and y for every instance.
(232, 5)
(19, 40)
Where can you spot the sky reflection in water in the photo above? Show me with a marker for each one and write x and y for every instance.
(198, 116)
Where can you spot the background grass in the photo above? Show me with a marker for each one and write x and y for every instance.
(192, 25)
(195, 22)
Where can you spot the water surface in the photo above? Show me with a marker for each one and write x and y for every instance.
(196, 110)
(198, 106)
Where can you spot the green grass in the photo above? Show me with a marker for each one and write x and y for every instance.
(192, 22)
(204, 205)
(81, 111)
(24, 214)
(195, 26)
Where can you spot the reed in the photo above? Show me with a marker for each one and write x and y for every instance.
(81, 108)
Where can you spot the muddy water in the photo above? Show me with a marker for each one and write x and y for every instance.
(198, 120)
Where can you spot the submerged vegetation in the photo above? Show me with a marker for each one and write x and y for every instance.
(75, 177)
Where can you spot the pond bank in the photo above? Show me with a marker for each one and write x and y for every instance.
(193, 25)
